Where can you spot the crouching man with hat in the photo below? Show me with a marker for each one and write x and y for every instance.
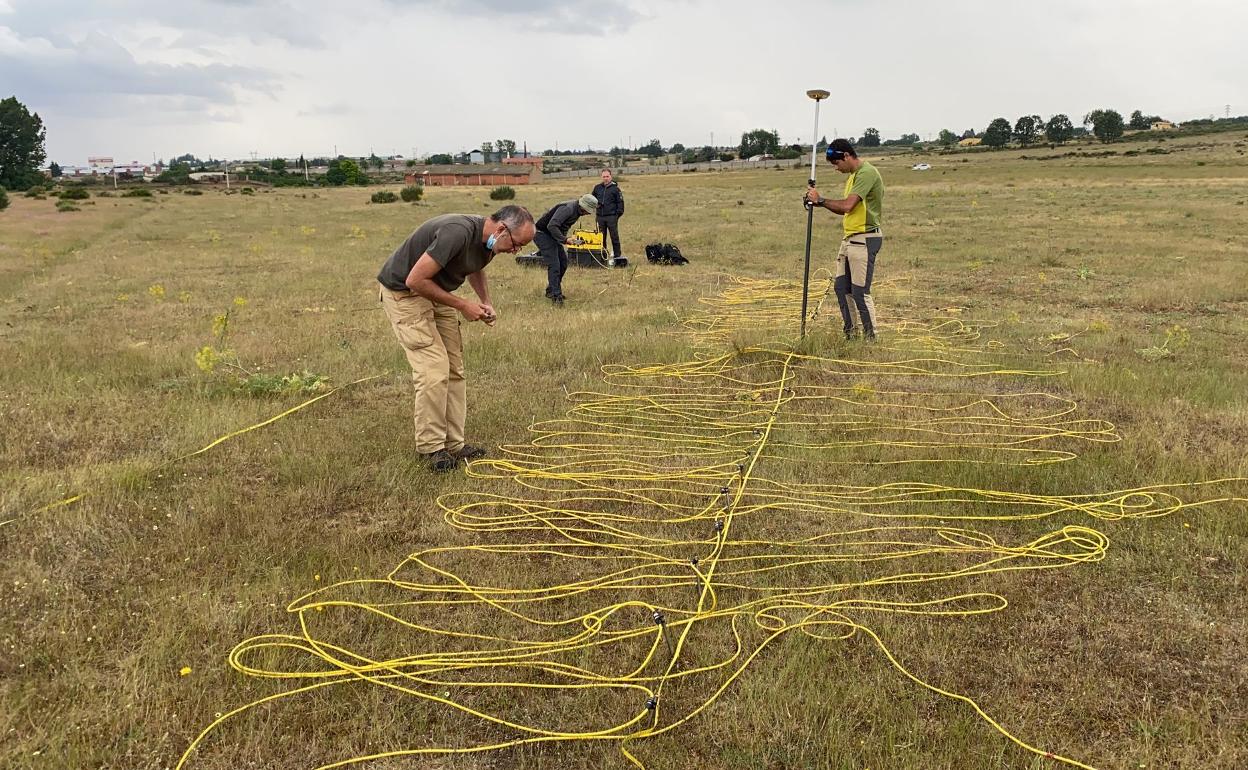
(553, 234)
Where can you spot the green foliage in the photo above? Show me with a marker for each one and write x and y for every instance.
(870, 138)
(193, 192)
(1140, 122)
(21, 145)
(383, 196)
(35, 191)
(74, 194)
(137, 192)
(1106, 125)
(502, 193)
(248, 191)
(277, 385)
(4, 199)
(441, 159)
(176, 173)
(760, 141)
(1059, 129)
(344, 171)
(1026, 129)
(947, 137)
(653, 148)
(676, 149)
(55, 170)
(998, 133)
(1177, 338)
(278, 165)
(66, 206)
(412, 193)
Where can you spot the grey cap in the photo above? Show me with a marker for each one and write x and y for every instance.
(589, 203)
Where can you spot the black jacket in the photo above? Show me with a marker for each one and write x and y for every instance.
(610, 200)
(560, 219)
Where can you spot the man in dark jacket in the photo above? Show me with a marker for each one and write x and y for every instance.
(610, 209)
(553, 233)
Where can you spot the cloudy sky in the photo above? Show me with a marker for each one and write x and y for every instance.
(226, 78)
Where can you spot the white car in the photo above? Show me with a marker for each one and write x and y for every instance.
(921, 167)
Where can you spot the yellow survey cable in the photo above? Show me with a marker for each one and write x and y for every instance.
(220, 440)
(659, 539)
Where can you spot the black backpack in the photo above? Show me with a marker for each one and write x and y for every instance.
(665, 254)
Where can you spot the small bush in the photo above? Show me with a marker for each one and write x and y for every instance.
(275, 385)
(104, 194)
(66, 206)
(412, 193)
(384, 196)
(35, 191)
(193, 192)
(502, 193)
(74, 194)
(248, 191)
(4, 199)
(137, 192)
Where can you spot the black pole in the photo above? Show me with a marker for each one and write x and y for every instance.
(810, 221)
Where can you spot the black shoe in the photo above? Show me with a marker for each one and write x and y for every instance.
(557, 300)
(469, 452)
(851, 333)
(441, 461)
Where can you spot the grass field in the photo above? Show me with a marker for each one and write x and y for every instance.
(1120, 283)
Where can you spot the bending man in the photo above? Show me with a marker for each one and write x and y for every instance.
(417, 282)
(553, 233)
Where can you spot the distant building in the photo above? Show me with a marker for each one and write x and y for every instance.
(457, 176)
(100, 164)
(1162, 125)
(970, 141)
(517, 161)
(134, 168)
(476, 156)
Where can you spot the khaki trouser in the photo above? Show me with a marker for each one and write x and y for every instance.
(429, 334)
(855, 270)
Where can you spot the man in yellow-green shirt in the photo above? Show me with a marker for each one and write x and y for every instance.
(862, 208)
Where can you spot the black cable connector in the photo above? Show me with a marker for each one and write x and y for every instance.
(694, 561)
(658, 618)
(652, 703)
(723, 491)
(719, 525)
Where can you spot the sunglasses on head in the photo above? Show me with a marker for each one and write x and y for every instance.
(835, 154)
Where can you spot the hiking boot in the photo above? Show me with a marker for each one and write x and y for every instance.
(468, 452)
(851, 333)
(557, 300)
(441, 461)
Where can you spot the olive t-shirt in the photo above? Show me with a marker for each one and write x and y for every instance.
(454, 242)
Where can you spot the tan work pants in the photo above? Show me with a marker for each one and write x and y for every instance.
(429, 334)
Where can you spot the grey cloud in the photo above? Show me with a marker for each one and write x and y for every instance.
(582, 16)
(91, 76)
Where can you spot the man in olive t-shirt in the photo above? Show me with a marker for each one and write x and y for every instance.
(416, 285)
(862, 208)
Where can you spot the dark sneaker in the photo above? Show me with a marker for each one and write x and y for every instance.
(469, 452)
(441, 461)
(557, 300)
(851, 333)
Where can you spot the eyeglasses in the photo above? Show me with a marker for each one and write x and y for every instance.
(511, 239)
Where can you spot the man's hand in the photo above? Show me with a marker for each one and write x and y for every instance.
(476, 311)
(813, 197)
(490, 315)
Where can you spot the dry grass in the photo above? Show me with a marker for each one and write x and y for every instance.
(1131, 662)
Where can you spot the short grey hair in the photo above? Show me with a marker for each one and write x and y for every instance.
(515, 217)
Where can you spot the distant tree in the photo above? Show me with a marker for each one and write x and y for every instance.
(176, 173)
(998, 133)
(487, 149)
(506, 148)
(653, 148)
(1059, 129)
(21, 145)
(55, 170)
(278, 165)
(441, 159)
(4, 199)
(906, 139)
(760, 141)
(1106, 125)
(1138, 121)
(822, 144)
(676, 149)
(947, 137)
(870, 138)
(344, 171)
(727, 156)
(1026, 129)
(410, 162)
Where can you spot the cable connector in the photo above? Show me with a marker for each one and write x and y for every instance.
(694, 561)
(719, 525)
(658, 618)
(723, 491)
(652, 703)
(740, 468)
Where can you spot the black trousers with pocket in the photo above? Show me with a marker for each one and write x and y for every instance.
(556, 257)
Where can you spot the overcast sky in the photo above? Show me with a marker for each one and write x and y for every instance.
(137, 78)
